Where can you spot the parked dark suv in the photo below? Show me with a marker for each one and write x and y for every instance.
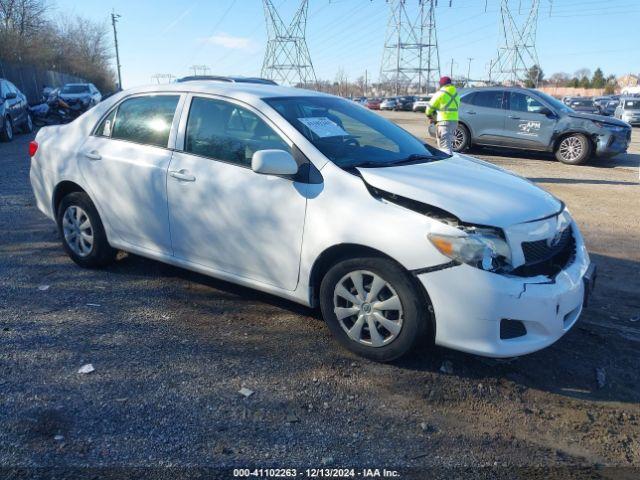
(528, 119)
(14, 111)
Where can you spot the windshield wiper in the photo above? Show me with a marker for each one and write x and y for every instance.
(411, 159)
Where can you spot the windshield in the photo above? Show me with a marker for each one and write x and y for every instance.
(351, 136)
(75, 89)
(631, 104)
(555, 103)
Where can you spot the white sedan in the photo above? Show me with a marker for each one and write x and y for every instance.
(313, 198)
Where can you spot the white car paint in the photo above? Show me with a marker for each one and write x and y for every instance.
(267, 232)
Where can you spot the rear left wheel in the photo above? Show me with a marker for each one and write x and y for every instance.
(6, 134)
(461, 139)
(373, 308)
(82, 233)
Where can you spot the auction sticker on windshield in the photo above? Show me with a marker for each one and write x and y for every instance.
(323, 127)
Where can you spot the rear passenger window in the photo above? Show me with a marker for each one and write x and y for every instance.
(145, 120)
(224, 131)
(490, 99)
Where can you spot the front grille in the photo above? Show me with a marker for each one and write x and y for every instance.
(540, 251)
(543, 259)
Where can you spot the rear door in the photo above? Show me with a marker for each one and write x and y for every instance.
(224, 215)
(124, 163)
(526, 126)
(483, 111)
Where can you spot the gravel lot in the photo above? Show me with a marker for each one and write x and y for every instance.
(171, 349)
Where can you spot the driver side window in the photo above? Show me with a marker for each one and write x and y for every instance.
(519, 102)
(224, 131)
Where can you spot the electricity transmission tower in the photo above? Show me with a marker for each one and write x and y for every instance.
(410, 59)
(517, 48)
(287, 58)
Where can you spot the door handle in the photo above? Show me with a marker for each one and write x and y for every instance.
(182, 175)
(470, 112)
(93, 155)
(514, 117)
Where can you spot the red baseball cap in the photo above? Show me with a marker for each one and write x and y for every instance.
(445, 81)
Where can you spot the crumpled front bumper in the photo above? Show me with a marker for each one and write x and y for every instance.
(612, 143)
(469, 305)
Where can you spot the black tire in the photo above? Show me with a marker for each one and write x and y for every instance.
(573, 149)
(6, 133)
(415, 309)
(27, 127)
(465, 142)
(101, 253)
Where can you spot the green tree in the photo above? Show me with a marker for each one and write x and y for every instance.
(584, 82)
(533, 77)
(598, 81)
(575, 83)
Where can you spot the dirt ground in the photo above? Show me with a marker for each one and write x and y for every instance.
(171, 349)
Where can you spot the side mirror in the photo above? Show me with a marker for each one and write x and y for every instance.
(11, 95)
(273, 162)
(545, 111)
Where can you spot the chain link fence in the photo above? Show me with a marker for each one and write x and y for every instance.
(30, 79)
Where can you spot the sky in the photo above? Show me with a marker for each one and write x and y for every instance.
(229, 36)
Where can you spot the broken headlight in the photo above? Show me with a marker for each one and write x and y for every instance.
(482, 248)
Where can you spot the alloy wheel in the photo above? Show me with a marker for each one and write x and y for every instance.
(368, 308)
(571, 148)
(458, 138)
(77, 230)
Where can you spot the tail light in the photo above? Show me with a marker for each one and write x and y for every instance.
(33, 148)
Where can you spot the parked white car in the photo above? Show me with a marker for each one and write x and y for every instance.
(315, 199)
(422, 103)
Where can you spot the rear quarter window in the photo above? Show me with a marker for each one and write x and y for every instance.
(146, 120)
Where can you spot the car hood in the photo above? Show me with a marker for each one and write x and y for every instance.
(598, 118)
(472, 190)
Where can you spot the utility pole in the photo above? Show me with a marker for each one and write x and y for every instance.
(114, 20)
(451, 70)
(197, 68)
(410, 58)
(366, 79)
(469, 71)
(287, 59)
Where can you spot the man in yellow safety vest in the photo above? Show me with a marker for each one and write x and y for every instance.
(445, 102)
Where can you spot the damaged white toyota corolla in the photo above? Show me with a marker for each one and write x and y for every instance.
(313, 198)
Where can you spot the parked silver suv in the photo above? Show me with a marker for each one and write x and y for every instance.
(628, 110)
(528, 119)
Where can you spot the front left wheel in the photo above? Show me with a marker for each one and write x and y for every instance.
(82, 233)
(374, 308)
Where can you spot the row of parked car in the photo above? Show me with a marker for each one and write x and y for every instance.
(625, 108)
(404, 103)
(57, 105)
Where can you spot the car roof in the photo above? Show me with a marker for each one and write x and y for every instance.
(229, 89)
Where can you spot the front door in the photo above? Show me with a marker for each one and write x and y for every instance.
(125, 162)
(526, 126)
(222, 214)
